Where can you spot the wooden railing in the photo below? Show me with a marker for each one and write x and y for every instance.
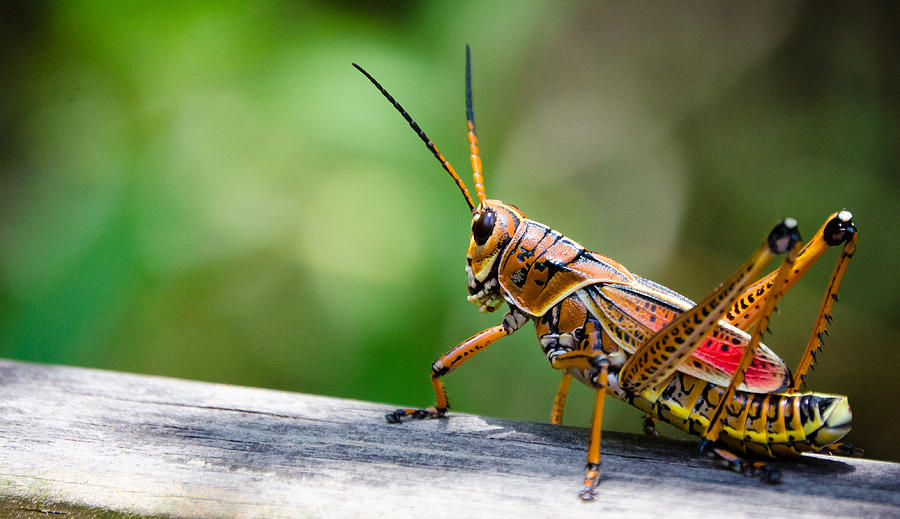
(83, 443)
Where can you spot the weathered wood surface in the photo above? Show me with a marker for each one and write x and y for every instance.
(72, 437)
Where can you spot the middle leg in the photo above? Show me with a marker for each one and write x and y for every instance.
(559, 403)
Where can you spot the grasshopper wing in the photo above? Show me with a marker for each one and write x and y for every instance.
(631, 314)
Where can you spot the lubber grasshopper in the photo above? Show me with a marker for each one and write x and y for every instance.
(698, 366)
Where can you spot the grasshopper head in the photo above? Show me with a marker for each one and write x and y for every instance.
(493, 226)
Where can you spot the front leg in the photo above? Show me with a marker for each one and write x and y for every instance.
(454, 358)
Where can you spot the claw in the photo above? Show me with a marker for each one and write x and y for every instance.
(415, 414)
(591, 478)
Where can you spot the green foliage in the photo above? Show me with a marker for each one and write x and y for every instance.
(211, 191)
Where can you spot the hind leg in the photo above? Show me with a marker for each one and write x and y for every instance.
(838, 229)
(816, 339)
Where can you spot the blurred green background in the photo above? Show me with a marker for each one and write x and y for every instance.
(211, 191)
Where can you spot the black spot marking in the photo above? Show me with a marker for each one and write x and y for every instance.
(519, 277)
(524, 254)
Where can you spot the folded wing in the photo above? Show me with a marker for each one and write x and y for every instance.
(631, 314)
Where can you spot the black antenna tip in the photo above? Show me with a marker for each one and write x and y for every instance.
(377, 85)
(428, 144)
(470, 115)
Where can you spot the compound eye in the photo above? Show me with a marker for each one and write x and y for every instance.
(483, 226)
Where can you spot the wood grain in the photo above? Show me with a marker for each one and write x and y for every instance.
(80, 443)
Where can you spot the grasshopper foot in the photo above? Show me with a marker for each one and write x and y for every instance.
(728, 460)
(587, 494)
(649, 427)
(414, 414)
(767, 473)
(771, 476)
(842, 449)
(591, 478)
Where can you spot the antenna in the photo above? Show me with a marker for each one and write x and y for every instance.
(430, 145)
(473, 139)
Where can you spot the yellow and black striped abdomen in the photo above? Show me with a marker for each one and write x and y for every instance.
(765, 424)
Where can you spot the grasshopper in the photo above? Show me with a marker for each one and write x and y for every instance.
(700, 367)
